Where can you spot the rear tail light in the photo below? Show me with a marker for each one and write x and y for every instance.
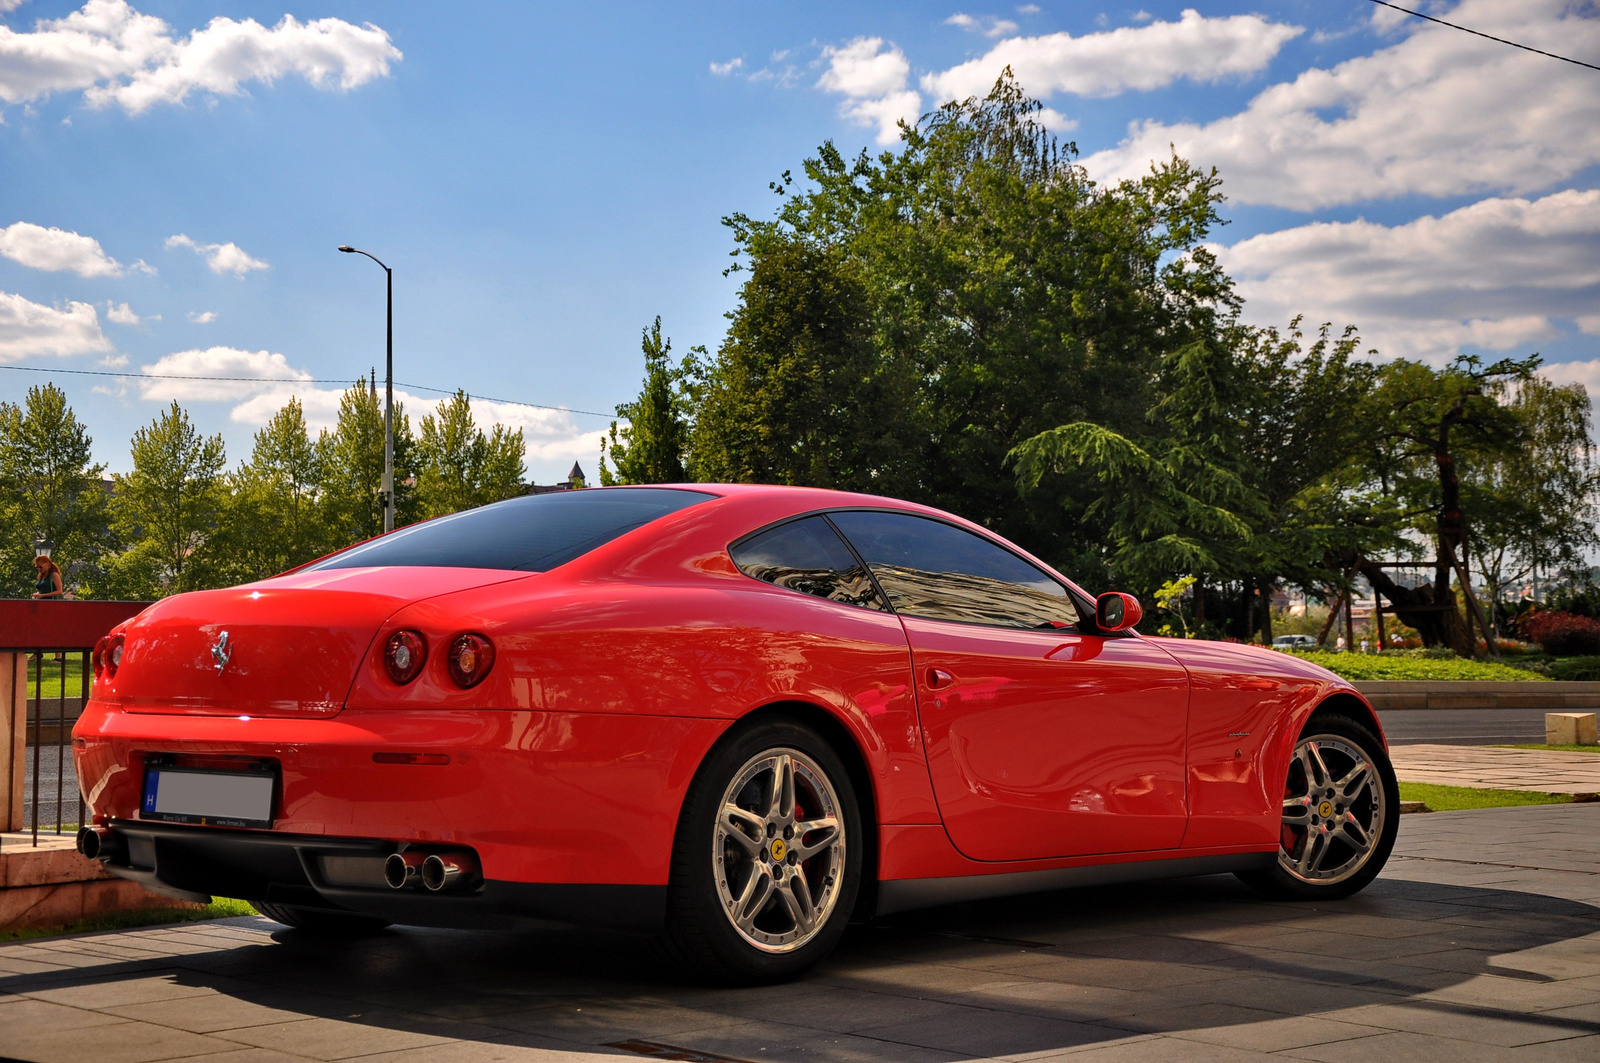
(98, 657)
(471, 657)
(404, 655)
(113, 656)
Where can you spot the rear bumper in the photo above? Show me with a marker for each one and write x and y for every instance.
(541, 798)
(346, 874)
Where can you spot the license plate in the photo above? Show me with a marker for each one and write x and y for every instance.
(212, 798)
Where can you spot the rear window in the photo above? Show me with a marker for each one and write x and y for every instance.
(530, 534)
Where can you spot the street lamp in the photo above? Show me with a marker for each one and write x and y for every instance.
(388, 397)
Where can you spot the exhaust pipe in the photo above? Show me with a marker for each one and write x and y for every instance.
(443, 871)
(98, 843)
(402, 870)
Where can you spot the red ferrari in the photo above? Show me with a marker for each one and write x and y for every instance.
(737, 716)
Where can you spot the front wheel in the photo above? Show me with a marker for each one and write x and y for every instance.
(1341, 813)
(767, 861)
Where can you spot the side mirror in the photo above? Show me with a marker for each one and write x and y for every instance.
(1115, 611)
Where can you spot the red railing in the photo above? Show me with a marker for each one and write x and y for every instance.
(36, 639)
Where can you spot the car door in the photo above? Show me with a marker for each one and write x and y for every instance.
(1043, 737)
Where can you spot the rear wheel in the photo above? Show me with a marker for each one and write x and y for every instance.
(767, 862)
(321, 920)
(1341, 813)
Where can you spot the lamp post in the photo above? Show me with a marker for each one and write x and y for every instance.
(387, 489)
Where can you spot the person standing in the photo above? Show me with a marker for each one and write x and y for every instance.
(48, 584)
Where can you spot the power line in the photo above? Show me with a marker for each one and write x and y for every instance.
(1486, 36)
(287, 380)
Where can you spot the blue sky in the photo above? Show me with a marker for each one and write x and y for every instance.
(546, 179)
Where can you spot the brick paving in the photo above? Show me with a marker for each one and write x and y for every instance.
(1486, 767)
(1481, 941)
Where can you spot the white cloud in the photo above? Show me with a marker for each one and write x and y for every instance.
(113, 361)
(724, 69)
(872, 76)
(1120, 60)
(10, 5)
(114, 54)
(202, 317)
(222, 258)
(1438, 113)
(56, 250)
(1586, 373)
(251, 372)
(988, 25)
(1498, 274)
(28, 328)
(1028, 9)
(124, 315)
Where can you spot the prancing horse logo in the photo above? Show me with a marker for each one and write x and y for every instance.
(221, 651)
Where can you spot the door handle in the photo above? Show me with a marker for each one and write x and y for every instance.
(938, 677)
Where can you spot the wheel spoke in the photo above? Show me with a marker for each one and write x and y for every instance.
(753, 898)
(1354, 834)
(1316, 769)
(745, 828)
(1355, 780)
(780, 800)
(811, 836)
(1316, 848)
(796, 896)
(1297, 811)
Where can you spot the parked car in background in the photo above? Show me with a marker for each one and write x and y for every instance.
(1294, 642)
(731, 715)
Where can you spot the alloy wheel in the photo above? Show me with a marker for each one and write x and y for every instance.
(778, 851)
(1334, 811)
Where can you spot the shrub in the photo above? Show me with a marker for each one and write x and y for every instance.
(1563, 634)
(1576, 670)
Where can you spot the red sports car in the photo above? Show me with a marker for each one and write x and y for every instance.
(734, 715)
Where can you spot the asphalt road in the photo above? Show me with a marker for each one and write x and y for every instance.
(1463, 727)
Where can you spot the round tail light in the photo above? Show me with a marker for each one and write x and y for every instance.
(471, 657)
(404, 655)
(98, 657)
(113, 655)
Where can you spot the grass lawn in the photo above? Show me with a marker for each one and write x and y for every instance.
(50, 677)
(1454, 798)
(1384, 666)
(1560, 749)
(221, 908)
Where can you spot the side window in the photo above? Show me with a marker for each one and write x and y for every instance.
(935, 570)
(807, 555)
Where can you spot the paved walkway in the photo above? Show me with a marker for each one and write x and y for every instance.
(1481, 767)
(1481, 941)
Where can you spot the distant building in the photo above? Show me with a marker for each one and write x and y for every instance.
(574, 482)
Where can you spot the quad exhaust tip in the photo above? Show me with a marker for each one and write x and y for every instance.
(435, 872)
(98, 843)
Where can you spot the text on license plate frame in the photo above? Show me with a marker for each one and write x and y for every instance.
(208, 796)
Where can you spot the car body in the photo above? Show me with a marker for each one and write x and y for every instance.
(1294, 642)
(962, 750)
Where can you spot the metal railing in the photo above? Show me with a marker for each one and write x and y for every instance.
(41, 731)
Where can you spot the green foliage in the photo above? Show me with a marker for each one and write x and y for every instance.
(166, 509)
(1169, 596)
(219, 908)
(1575, 669)
(651, 447)
(351, 487)
(273, 520)
(1458, 798)
(1398, 666)
(459, 467)
(50, 488)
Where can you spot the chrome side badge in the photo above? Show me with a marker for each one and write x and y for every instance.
(221, 651)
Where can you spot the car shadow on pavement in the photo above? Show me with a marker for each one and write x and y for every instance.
(1202, 958)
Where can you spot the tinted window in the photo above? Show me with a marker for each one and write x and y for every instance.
(807, 555)
(532, 533)
(932, 569)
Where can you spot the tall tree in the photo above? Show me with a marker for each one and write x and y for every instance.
(459, 467)
(273, 521)
(651, 447)
(51, 488)
(167, 508)
(351, 465)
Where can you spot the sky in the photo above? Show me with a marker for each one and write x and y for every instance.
(546, 179)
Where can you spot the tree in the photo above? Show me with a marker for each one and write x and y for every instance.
(1425, 424)
(167, 508)
(351, 464)
(651, 447)
(50, 488)
(273, 521)
(459, 467)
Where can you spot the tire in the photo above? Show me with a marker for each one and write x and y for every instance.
(755, 895)
(321, 921)
(1340, 791)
